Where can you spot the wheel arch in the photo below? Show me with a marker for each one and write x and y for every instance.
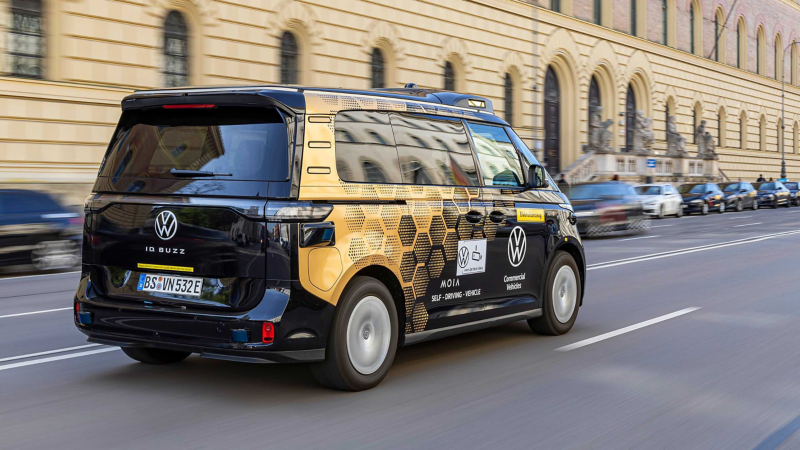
(577, 254)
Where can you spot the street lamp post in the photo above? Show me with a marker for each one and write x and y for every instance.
(783, 111)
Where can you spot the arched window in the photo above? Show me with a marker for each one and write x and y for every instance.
(289, 59)
(449, 77)
(719, 36)
(378, 69)
(509, 97)
(633, 17)
(762, 133)
(26, 45)
(722, 127)
(598, 12)
(695, 27)
(793, 60)
(664, 23)
(761, 50)
(778, 57)
(176, 50)
(741, 43)
(742, 131)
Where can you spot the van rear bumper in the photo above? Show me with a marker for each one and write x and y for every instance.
(227, 353)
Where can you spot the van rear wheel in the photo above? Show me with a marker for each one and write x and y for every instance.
(363, 338)
(155, 355)
(562, 297)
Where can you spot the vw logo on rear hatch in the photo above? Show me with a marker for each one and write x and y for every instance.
(166, 225)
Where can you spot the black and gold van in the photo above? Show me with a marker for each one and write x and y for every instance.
(327, 226)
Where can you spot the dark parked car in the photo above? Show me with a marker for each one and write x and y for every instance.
(773, 193)
(702, 198)
(794, 188)
(37, 230)
(739, 195)
(607, 207)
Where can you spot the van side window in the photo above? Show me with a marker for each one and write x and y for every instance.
(433, 150)
(365, 147)
(497, 156)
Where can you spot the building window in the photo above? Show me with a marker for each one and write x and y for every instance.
(762, 133)
(761, 48)
(742, 131)
(26, 49)
(378, 69)
(722, 127)
(695, 121)
(176, 50)
(509, 96)
(741, 44)
(778, 57)
(555, 5)
(793, 60)
(719, 35)
(633, 17)
(598, 12)
(289, 59)
(664, 23)
(691, 28)
(449, 77)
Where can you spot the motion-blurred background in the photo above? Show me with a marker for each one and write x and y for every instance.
(590, 84)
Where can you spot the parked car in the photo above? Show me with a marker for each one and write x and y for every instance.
(660, 200)
(702, 198)
(773, 193)
(36, 230)
(739, 195)
(607, 207)
(794, 189)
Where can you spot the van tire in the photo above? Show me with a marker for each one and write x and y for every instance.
(548, 323)
(155, 355)
(339, 371)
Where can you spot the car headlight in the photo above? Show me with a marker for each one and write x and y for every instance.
(696, 202)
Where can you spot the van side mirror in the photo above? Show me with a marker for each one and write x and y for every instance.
(537, 178)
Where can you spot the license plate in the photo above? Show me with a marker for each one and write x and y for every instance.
(170, 285)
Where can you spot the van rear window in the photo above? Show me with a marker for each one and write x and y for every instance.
(238, 143)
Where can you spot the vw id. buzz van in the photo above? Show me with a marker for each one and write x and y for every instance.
(321, 226)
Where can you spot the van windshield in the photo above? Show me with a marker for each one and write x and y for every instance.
(236, 143)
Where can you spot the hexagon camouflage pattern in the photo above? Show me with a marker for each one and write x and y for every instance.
(411, 230)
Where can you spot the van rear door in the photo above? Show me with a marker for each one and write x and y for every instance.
(181, 195)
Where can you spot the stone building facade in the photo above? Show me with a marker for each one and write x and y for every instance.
(66, 64)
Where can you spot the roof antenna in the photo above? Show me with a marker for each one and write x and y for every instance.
(411, 86)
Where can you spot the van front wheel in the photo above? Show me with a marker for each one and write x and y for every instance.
(363, 338)
(562, 297)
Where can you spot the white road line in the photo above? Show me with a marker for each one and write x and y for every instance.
(34, 312)
(793, 212)
(667, 254)
(662, 226)
(637, 238)
(41, 275)
(611, 334)
(747, 224)
(57, 358)
(49, 352)
(739, 217)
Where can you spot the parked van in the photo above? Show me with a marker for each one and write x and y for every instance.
(324, 226)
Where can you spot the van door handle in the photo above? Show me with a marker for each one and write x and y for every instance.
(497, 217)
(474, 217)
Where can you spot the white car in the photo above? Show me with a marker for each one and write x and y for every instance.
(660, 200)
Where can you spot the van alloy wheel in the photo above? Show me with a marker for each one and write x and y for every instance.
(368, 335)
(565, 294)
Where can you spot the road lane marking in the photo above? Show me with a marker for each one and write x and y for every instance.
(34, 312)
(48, 352)
(40, 275)
(685, 251)
(739, 217)
(57, 358)
(637, 238)
(747, 224)
(662, 226)
(774, 440)
(628, 329)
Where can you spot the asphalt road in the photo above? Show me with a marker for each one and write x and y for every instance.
(643, 367)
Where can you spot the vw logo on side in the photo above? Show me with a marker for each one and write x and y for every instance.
(463, 257)
(517, 245)
(166, 225)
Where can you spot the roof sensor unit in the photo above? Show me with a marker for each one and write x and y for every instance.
(411, 85)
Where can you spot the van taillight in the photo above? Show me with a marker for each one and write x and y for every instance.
(268, 333)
